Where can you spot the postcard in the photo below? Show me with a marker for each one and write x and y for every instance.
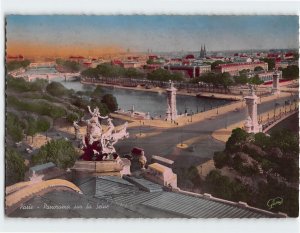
(152, 116)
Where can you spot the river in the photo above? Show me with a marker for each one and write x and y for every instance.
(143, 101)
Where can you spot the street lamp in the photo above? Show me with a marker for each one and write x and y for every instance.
(217, 110)
(140, 128)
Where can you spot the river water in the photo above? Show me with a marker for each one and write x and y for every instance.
(143, 101)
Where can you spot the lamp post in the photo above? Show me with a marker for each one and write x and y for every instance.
(140, 128)
(217, 110)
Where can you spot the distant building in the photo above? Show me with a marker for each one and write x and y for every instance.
(234, 68)
(203, 52)
(191, 71)
(78, 59)
(265, 76)
(130, 64)
(14, 58)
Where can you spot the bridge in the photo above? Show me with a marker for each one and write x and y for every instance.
(42, 64)
(282, 115)
(21, 192)
(48, 76)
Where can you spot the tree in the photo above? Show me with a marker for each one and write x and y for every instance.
(14, 127)
(270, 61)
(220, 159)
(111, 102)
(90, 73)
(60, 152)
(14, 65)
(98, 92)
(291, 72)
(56, 89)
(237, 139)
(255, 80)
(15, 167)
(71, 117)
(242, 79)
(262, 140)
(164, 75)
(258, 68)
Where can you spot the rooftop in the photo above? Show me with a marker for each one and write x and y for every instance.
(114, 197)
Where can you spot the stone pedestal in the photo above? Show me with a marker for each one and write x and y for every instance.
(171, 113)
(251, 124)
(117, 167)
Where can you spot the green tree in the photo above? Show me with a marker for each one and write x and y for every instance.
(220, 159)
(71, 117)
(56, 89)
(258, 68)
(255, 80)
(291, 72)
(14, 65)
(270, 61)
(15, 167)
(14, 127)
(90, 73)
(242, 79)
(111, 102)
(262, 140)
(164, 75)
(237, 139)
(60, 152)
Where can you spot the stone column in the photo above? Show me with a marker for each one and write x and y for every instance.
(251, 124)
(276, 77)
(171, 113)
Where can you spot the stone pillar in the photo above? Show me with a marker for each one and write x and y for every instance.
(251, 124)
(276, 77)
(194, 71)
(171, 113)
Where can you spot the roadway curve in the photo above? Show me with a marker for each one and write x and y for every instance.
(164, 143)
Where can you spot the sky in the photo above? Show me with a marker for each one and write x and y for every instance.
(67, 35)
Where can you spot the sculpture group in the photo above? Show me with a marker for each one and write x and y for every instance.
(98, 145)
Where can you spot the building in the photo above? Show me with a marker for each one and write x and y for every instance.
(265, 76)
(130, 64)
(191, 71)
(203, 52)
(161, 174)
(128, 197)
(234, 68)
(10, 58)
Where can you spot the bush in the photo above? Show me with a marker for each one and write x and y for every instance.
(40, 107)
(71, 117)
(14, 65)
(21, 85)
(60, 152)
(14, 127)
(57, 89)
(111, 102)
(15, 167)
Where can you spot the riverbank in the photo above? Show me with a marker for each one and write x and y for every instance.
(162, 90)
(196, 118)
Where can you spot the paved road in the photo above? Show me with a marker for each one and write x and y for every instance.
(164, 144)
